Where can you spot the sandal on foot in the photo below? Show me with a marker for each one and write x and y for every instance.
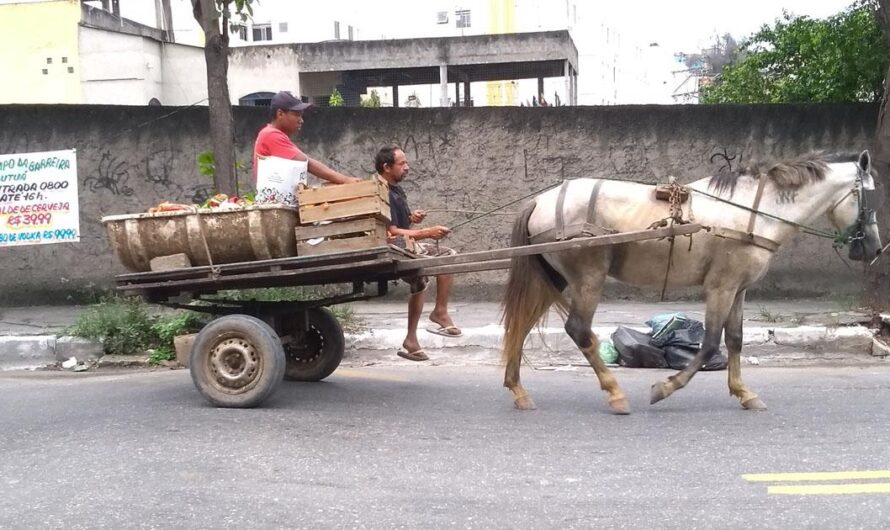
(446, 331)
(416, 355)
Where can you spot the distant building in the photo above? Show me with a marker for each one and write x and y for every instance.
(66, 51)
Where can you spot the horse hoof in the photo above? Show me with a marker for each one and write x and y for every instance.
(524, 403)
(620, 407)
(659, 392)
(754, 404)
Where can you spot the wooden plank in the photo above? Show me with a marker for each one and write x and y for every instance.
(341, 192)
(339, 245)
(475, 266)
(254, 266)
(280, 278)
(544, 248)
(345, 209)
(370, 224)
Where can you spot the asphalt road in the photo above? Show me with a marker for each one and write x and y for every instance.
(434, 447)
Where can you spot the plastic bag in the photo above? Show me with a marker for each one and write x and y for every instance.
(607, 352)
(635, 351)
(675, 328)
(678, 358)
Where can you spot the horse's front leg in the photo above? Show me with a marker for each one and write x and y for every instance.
(717, 308)
(733, 338)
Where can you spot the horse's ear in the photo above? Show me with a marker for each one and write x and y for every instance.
(864, 164)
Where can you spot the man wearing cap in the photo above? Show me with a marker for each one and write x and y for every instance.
(274, 138)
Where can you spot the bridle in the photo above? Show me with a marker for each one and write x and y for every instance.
(854, 234)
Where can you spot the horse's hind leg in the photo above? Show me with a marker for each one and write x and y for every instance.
(733, 338)
(583, 305)
(718, 306)
(521, 399)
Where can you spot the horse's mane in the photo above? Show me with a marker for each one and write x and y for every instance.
(786, 175)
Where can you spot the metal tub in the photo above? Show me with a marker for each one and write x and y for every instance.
(245, 234)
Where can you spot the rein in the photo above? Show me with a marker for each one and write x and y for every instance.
(803, 228)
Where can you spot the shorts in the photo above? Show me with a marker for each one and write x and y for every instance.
(428, 250)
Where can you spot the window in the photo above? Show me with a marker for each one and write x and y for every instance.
(442, 17)
(70, 69)
(462, 18)
(241, 30)
(49, 60)
(64, 60)
(45, 71)
(262, 32)
(282, 27)
(336, 30)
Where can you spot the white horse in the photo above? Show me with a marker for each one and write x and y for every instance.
(748, 218)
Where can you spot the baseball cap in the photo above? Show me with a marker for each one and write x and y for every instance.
(285, 100)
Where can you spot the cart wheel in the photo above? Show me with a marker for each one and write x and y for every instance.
(237, 361)
(321, 351)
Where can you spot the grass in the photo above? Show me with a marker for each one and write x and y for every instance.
(344, 313)
(124, 326)
(767, 315)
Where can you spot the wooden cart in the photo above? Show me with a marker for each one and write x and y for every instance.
(240, 358)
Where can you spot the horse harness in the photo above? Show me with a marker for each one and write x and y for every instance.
(676, 195)
(561, 232)
(748, 236)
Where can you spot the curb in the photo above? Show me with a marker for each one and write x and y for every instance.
(481, 345)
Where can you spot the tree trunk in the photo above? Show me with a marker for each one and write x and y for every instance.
(216, 56)
(877, 293)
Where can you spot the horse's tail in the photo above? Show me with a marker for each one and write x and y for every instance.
(532, 287)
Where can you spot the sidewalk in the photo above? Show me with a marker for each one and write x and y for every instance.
(776, 333)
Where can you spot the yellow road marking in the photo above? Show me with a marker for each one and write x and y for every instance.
(828, 475)
(365, 374)
(830, 489)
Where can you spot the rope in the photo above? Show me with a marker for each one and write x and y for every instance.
(214, 269)
(501, 207)
(803, 228)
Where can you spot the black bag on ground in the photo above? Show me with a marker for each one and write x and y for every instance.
(678, 357)
(634, 350)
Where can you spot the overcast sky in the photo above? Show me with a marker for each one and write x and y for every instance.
(688, 24)
(675, 24)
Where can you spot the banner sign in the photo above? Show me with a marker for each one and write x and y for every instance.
(38, 198)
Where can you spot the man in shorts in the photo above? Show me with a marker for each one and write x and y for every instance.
(392, 166)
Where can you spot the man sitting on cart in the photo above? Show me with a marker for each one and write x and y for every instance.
(392, 165)
(274, 138)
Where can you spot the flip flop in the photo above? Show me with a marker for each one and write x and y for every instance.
(445, 331)
(416, 355)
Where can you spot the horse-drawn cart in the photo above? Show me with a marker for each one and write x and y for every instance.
(240, 358)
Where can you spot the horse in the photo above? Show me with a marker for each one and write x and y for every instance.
(747, 217)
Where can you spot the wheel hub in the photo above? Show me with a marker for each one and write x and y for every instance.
(234, 363)
(309, 350)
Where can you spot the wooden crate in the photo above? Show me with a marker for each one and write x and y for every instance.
(369, 198)
(340, 236)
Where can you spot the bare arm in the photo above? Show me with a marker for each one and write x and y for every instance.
(432, 232)
(324, 172)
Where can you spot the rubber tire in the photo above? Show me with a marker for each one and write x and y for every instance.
(270, 356)
(321, 322)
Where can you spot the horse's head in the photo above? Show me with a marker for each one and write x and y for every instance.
(852, 217)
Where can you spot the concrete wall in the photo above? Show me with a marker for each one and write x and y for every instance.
(462, 159)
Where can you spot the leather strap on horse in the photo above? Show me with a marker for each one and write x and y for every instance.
(560, 215)
(749, 236)
(745, 237)
(754, 212)
(561, 232)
